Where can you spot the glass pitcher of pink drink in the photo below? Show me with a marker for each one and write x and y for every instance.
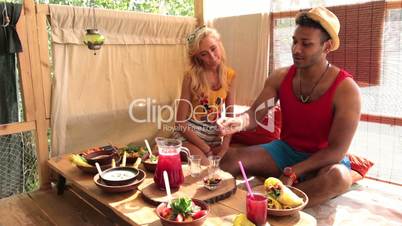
(169, 161)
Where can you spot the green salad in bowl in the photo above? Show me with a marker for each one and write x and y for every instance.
(183, 211)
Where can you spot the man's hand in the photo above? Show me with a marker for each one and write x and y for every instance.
(289, 176)
(227, 126)
(287, 181)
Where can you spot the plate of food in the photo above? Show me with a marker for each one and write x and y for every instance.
(133, 152)
(183, 211)
(121, 175)
(101, 155)
(120, 188)
(150, 163)
(84, 166)
(283, 200)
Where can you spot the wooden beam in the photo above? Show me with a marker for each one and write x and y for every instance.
(42, 9)
(199, 11)
(287, 14)
(11, 128)
(44, 60)
(387, 120)
(37, 83)
(393, 5)
(25, 71)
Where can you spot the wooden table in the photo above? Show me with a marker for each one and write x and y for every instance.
(129, 208)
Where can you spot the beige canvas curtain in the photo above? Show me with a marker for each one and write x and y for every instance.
(246, 41)
(140, 68)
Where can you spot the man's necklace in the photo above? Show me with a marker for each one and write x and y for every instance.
(306, 99)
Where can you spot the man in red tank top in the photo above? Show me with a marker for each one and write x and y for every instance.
(320, 106)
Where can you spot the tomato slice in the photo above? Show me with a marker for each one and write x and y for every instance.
(199, 214)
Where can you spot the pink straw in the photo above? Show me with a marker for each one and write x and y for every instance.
(245, 179)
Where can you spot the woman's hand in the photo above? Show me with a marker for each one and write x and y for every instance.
(220, 150)
(227, 126)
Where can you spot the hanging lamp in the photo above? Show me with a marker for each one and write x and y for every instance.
(93, 39)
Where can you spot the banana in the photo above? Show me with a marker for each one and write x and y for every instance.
(241, 220)
(79, 160)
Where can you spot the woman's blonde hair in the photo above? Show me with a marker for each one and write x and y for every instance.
(196, 71)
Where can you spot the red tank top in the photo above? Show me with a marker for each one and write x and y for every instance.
(306, 127)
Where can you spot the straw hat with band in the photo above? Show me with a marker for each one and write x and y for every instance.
(328, 20)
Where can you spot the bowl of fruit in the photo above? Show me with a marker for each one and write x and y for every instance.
(183, 212)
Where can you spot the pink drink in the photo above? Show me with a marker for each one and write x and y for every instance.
(170, 162)
(257, 208)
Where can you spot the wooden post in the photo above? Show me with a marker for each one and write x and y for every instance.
(199, 11)
(25, 71)
(34, 63)
(41, 19)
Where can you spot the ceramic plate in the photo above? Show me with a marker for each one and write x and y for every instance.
(120, 188)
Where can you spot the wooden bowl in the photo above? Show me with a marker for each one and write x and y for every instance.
(102, 155)
(133, 152)
(120, 188)
(197, 222)
(291, 211)
(92, 169)
(119, 175)
(149, 166)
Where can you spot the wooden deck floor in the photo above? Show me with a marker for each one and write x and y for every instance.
(47, 208)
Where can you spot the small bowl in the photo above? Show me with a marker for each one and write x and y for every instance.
(197, 222)
(119, 176)
(133, 152)
(103, 155)
(291, 211)
(211, 183)
(149, 166)
(92, 169)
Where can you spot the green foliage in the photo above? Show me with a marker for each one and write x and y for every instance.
(166, 7)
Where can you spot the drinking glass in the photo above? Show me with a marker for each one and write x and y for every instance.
(257, 208)
(195, 165)
(213, 167)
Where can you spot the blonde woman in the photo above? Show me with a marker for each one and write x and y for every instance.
(207, 90)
